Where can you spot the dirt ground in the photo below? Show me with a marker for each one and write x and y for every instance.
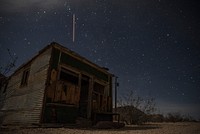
(152, 128)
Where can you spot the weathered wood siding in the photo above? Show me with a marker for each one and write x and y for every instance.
(24, 104)
(2, 99)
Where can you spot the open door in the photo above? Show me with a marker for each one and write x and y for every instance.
(83, 103)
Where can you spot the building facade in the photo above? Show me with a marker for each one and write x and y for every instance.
(57, 86)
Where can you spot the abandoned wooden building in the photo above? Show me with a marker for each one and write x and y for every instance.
(57, 86)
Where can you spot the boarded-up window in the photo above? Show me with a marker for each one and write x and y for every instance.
(24, 80)
(99, 98)
(66, 90)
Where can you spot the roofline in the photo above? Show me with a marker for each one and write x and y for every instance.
(57, 45)
(29, 61)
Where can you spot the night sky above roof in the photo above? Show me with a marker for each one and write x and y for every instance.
(151, 45)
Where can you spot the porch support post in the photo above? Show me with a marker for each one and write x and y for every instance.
(89, 107)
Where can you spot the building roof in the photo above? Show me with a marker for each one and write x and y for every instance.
(62, 48)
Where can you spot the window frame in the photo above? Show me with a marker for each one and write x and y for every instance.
(25, 77)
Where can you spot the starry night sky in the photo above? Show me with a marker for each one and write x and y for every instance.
(151, 45)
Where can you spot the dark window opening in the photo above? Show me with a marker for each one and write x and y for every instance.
(5, 87)
(25, 76)
(98, 88)
(69, 76)
(84, 87)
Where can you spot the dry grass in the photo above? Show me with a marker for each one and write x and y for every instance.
(159, 128)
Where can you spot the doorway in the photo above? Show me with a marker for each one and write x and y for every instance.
(83, 103)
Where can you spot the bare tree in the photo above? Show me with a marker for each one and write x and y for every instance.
(149, 106)
(134, 109)
(178, 117)
(10, 65)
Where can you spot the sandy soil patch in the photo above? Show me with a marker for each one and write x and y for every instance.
(153, 128)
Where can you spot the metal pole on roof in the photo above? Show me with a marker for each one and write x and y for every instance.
(73, 27)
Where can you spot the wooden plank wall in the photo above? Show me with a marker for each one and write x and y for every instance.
(63, 91)
(24, 104)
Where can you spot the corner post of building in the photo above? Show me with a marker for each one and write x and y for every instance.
(116, 85)
(89, 107)
(79, 85)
